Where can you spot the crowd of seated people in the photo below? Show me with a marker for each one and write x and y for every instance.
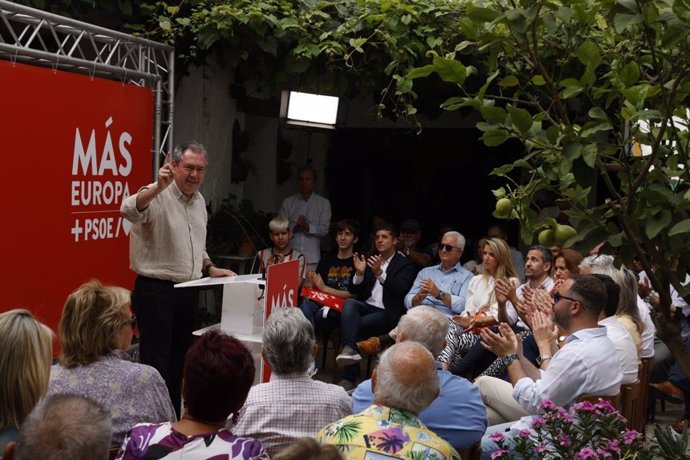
(461, 356)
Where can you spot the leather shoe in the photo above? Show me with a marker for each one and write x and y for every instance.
(370, 346)
(668, 388)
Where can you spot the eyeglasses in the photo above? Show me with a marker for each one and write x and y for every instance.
(131, 321)
(557, 297)
(446, 247)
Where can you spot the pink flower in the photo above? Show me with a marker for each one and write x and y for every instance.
(498, 453)
(586, 453)
(496, 436)
(548, 404)
(539, 448)
(564, 439)
(537, 422)
(524, 433)
(584, 405)
(630, 436)
(613, 446)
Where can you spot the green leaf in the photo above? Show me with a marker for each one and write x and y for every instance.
(597, 113)
(420, 72)
(494, 138)
(450, 70)
(509, 81)
(630, 5)
(657, 223)
(681, 227)
(588, 54)
(630, 73)
(571, 91)
(493, 114)
(589, 154)
(481, 14)
(622, 20)
(521, 118)
(538, 80)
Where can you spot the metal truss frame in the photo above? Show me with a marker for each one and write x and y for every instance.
(39, 38)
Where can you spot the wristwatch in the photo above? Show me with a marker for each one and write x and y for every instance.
(510, 358)
(441, 295)
(543, 358)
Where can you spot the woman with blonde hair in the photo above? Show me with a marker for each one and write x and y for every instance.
(95, 331)
(26, 353)
(481, 307)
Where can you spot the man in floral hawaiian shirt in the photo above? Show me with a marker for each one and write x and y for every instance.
(405, 383)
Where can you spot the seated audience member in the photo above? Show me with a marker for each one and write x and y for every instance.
(280, 234)
(218, 372)
(333, 276)
(95, 330)
(476, 265)
(628, 313)
(65, 427)
(458, 414)
(481, 307)
(443, 286)
(497, 231)
(566, 263)
(603, 264)
(26, 352)
(515, 305)
(627, 353)
(380, 284)
(410, 237)
(404, 383)
(308, 449)
(581, 366)
(291, 405)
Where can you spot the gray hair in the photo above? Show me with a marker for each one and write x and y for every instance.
(406, 378)
(599, 263)
(288, 341)
(426, 325)
(458, 236)
(65, 426)
(194, 146)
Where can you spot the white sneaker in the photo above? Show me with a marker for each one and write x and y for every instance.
(348, 357)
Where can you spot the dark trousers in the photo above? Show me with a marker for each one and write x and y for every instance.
(357, 320)
(166, 318)
(478, 358)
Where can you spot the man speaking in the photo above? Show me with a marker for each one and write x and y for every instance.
(167, 245)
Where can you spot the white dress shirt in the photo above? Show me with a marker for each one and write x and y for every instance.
(625, 345)
(317, 210)
(587, 364)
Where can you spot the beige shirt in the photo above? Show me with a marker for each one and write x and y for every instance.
(168, 239)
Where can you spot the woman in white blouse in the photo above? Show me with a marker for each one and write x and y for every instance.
(481, 307)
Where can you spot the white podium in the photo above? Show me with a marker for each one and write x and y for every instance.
(245, 307)
(243, 312)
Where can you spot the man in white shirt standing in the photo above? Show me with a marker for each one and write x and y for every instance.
(309, 215)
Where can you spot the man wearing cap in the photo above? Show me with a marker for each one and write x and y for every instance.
(410, 235)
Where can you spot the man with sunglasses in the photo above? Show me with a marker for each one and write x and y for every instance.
(587, 363)
(442, 286)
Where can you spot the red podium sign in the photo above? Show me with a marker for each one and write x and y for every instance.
(76, 146)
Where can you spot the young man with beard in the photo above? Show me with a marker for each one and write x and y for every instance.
(587, 363)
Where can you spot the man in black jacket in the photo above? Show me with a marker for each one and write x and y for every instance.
(379, 284)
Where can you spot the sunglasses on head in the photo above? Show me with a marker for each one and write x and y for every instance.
(446, 247)
(557, 297)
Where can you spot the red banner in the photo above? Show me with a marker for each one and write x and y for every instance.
(76, 147)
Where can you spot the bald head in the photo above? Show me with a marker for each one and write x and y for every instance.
(406, 378)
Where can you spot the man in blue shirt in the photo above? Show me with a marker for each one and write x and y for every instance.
(458, 414)
(442, 286)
